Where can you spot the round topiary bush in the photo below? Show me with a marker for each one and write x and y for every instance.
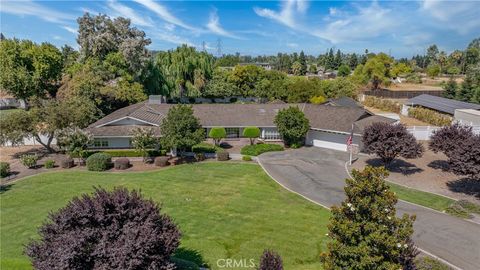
(29, 161)
(223, 156)
(67, 163)
(4, 169)
(117, 230)
(121, 164)
(161, 161)
(99, 162)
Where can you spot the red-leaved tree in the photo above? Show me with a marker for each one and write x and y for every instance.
(462, 148)
(389, 141)
(106, 230)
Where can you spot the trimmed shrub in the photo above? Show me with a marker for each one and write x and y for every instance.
(67, 163)
(29, 161)
(257, 149)
(130, 153)
(112, 223)
(217, 134)
(121, 164)
(49, 164)
(99, 162)
(223, 156)
(200, 156)
(430, 116)
(161, 161)
(270, 260)
(382, 104)
(205, 148)
(246, 158)
(317, 100)
(252, 133)
(4, 169)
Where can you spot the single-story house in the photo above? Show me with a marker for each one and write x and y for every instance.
(330, 126)
(439, 104)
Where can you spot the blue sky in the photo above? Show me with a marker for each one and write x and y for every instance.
(402, 28)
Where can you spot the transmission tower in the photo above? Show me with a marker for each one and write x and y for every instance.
(219, 47)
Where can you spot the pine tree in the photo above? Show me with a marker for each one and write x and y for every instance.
(450, 89)
(303, 63)
(330, 60)
(338, 59)
(365, 232)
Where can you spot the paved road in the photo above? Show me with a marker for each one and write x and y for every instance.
(318, 174)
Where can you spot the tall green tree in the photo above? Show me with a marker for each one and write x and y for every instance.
(303, 63)
(184, 71)
(29, 69)
(181, 129)
(99, 35)
(292, 125)
(364, 229)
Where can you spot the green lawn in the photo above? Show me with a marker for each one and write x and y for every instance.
(5, 113)
(426, 199)
(227, 210)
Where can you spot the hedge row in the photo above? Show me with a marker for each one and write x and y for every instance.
(382, 104)
(128, 152)
(430, 116)
(257, 149)
(205, 148)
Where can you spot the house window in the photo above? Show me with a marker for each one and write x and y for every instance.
(233, 132)
(271, 134)
(100, 143)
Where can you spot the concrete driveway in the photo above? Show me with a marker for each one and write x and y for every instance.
(318, 175)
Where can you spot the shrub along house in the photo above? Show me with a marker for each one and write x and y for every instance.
(330, 126)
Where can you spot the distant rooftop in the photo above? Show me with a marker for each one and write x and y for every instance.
(441, 104)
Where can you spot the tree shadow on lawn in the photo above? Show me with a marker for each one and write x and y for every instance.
(5, 187)
(397, 166)
(439, 165)
(466, 186)
(190, 255)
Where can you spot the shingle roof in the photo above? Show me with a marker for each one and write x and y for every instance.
(441, 104)
(334, 118)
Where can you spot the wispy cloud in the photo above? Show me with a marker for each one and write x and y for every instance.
(70, 29)
(124, 11)
(171, 38)
(287, 14)
(215, 27)
(30, 8)
(164, 13)
(366, 23)
(292, 45)
(460, 16)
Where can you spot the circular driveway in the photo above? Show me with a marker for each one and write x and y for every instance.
(319, 175)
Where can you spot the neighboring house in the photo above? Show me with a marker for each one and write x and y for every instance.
(439, 104)
(330, 126)
(467, 117)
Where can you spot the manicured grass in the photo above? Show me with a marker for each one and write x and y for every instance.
(426, 199)
(5, 113)
(224, 210)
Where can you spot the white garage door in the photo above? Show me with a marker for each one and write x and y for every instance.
(327, 140)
